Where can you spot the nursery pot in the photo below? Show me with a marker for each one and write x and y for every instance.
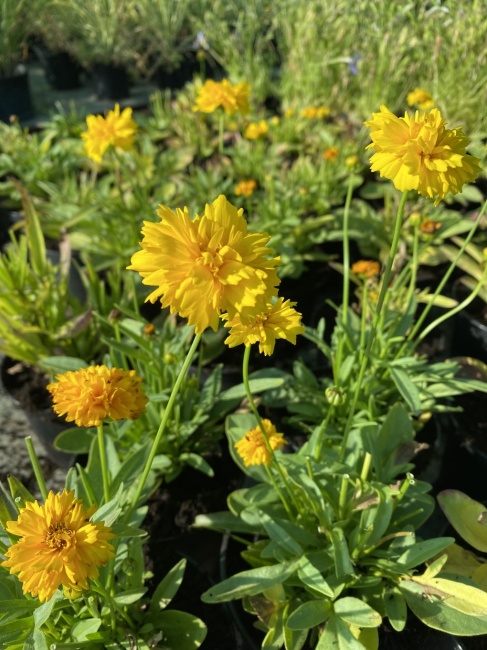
(24, 384)
(15, 98)
(179, 77)
(61, 70)
(110, 81)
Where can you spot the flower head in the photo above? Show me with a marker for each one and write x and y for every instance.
(314, 113)
(252, 448)
(330, 153)
(256, 130)
(208, 265)
(58, 545)
(214, 94)
(245, 188)
(429, 227)
(91, 395)
(418, 153)
(366, 268)
(277, 321)
(421, 98)
(115, 130)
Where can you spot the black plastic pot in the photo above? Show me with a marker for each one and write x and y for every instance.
(179, 77)
(469, 337)
(61, 70)
(110, 81)
(15, 97)
(43, 421)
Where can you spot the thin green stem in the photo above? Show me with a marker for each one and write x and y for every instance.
(342, 502)
(103, 462)
(164, 421)
(366, 466)
(36, 467)
(373, 330)
(319, 434)
(363, 322)
(221, 124)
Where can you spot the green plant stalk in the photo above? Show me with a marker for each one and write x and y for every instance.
(363, 322)
(346, 274)
(342, 502)
(442, 284)
(103, 462)
(36, 467)
(322, 430)
(164, 421)
(366, 466)
(375, 321)
(221, 123)
(465, 303)
(274, 461)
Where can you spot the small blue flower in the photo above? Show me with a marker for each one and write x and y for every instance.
(352, 66)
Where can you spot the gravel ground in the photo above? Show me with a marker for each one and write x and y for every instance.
(14, 459)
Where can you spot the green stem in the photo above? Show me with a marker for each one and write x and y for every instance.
(366, 466)
(103, 462)
(274, 461)
(440, 287)
(220, 132)
(36, 467)
(342, 502)
(363, 322)
(164, 421)
(319, 434)
(377, 315)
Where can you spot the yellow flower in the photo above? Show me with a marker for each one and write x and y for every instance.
(91, 395)
(419, 153)
(58, 545)
(245, 188)
(256, 130)
(208, 265)
(351, 161)
(289, 112)
(214, 94)
(277, 321)
(312, 113)
(252, 448)
(275, 120)
(330, 153)
(421, 98)
(115, 130)
(366, 268)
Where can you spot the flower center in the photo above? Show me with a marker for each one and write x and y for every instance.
(58, 536)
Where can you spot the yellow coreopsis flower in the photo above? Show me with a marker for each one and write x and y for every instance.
(418, 153)
(245, 188)
(58, 545)
(366, 268)
(208, 265)
(421, 98)
(115, 130)
(252, 448)
(330, 153)
(277, 321)
(256, 130)
(232, 98)
(90, 395)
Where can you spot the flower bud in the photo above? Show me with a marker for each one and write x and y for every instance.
(335, 395)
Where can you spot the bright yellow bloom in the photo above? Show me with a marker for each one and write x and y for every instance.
(90, 395)
(245, 188)
(418, 153)
(114, 130)
(256, 130)
(421, 98)
(252, 448)
(214, 94)
(289, 112)
(277, 321)
(330, 153)
(312, 113)
(58, 545)
(366, 268)
(208, 265)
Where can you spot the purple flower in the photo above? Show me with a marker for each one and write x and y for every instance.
(352, 66)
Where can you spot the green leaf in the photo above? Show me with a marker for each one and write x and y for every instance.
(168, 587)
(81, 629)
(76, 440)
(130, 596)
(259, 381)
(357, 612)
(221, 522)
(309, 615)
(464, 513)
(424, 551)
(60, 365)
(249, 583)
(313, 578)
(396, 609)
(407, 389)
(182, 631)
(198, 462)
(279, 535)
(337, 636)
(343, 563)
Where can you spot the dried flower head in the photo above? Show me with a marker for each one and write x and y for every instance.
(330, 153)
(420, 98)
(245, 188)
(256, 130)
(366, 268)
(418, 153)
(278, 321)
(429, 227)
(91, 395)
(115, 130)
(58, 545)
(208, 265)
(216, 94)
(252, 448)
